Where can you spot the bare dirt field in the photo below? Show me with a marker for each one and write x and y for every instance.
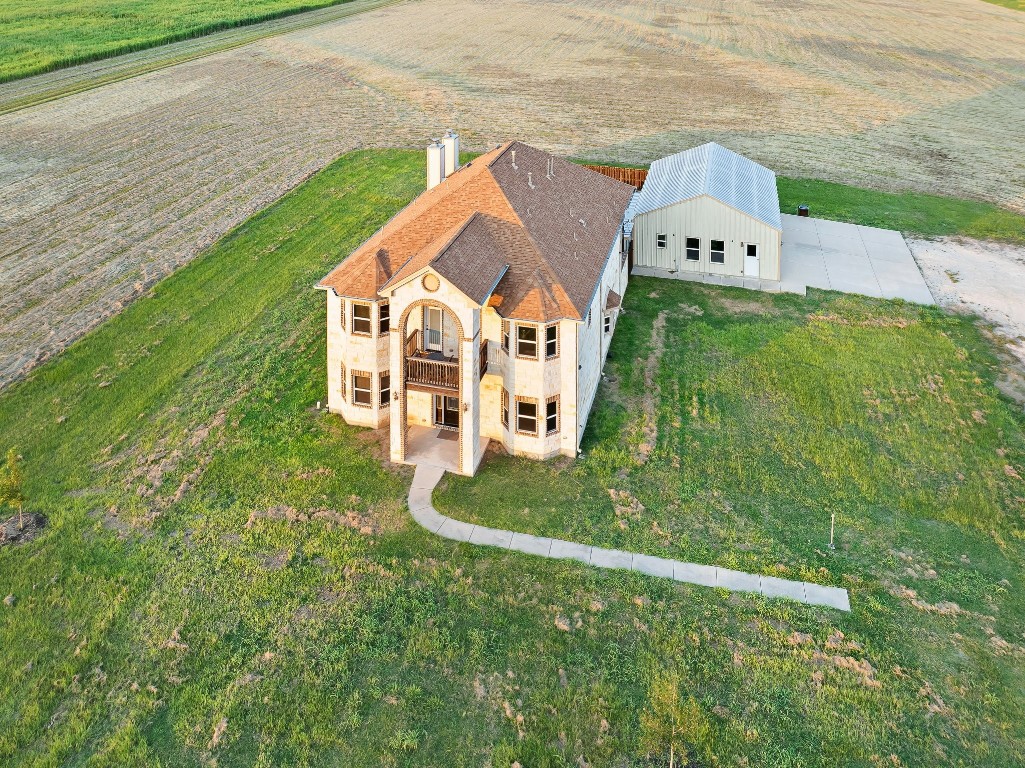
(104, 192)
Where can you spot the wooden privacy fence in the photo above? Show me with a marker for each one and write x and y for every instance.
(633, 176)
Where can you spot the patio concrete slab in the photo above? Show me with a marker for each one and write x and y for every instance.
(854, 259)
(531, 545)
(653, 566)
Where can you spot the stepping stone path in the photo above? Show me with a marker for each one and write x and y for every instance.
(427, 478)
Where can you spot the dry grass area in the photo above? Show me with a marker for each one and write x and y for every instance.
(108, 190)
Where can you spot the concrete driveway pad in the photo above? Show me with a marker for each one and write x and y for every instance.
(837, 256)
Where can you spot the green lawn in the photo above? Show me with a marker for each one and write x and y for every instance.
(1017, 5)
(41, 36)
(910, 212)
(229, 576)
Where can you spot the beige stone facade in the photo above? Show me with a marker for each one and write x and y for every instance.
(539, 379)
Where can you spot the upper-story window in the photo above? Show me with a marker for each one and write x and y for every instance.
(361, 319)
(526, 341)
(551, 341)
(505, 335)
(383, 317)
(341, 314)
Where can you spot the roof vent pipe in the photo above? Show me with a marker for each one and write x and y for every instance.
(514, 158)
(551, 167)
(530, 180)
(435, 163)
(451, 142)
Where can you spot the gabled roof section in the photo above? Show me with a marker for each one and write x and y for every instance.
(711, 170)
(473, 257)
(432, 214)
(538, 226)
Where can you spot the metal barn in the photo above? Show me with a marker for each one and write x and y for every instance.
(707, 211)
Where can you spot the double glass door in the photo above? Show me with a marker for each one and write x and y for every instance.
(446, 411)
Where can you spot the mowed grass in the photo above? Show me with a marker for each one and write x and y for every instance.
(911, 213)
(229, 575)
(39, 37)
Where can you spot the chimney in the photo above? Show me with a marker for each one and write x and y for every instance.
(451, 142)
(435, 163)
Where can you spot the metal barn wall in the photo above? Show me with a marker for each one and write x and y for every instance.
(706, 218)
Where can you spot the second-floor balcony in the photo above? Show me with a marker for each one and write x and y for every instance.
(429, 368)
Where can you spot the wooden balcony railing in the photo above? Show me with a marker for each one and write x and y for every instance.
(413, 343)
(432, 373)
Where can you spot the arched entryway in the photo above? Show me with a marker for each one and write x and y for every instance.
(430, 387)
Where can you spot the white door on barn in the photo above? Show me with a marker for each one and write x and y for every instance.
(750, 260)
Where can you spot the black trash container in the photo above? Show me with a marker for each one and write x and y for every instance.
(802, 210)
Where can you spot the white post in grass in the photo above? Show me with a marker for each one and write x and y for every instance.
(832, 523)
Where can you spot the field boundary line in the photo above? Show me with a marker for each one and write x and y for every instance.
(34, 90)
(426, 479)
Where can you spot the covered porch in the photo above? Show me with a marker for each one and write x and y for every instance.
(435, 447)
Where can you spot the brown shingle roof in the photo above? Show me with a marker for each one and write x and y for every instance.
(612, 301)
(552, 231)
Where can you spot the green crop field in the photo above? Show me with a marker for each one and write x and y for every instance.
(38, 37)
(230, 577)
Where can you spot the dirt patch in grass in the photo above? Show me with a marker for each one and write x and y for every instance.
(21, 529)
(369, 523)
(649, 402)
(737, 306)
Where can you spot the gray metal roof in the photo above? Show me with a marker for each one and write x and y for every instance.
(710, 170)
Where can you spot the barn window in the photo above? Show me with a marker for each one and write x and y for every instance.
(385, 387)
(551, 341)
(361, 319)
(660, 240)
(608, 323)
(718, 252)
(384, 316)
(361, 388)
(526, 341)
(693, 249)
(552, 415)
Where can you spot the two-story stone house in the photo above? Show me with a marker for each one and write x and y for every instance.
(482, 311)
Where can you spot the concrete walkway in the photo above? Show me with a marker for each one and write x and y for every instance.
(427, 478)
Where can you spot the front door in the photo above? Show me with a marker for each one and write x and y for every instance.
(433, 329)
(751, 260)
(446, 411)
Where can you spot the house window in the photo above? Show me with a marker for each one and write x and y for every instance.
(551, 341)
(526, 341)
(526, 416)
(361, 319)
(718, 252)
(385, 387)
(505, 335)
(552, 415)
(362, 389)
(660, 240)
(383, 317)
(343, 381)
(505, 407)
(608, 323)
(693, 249)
